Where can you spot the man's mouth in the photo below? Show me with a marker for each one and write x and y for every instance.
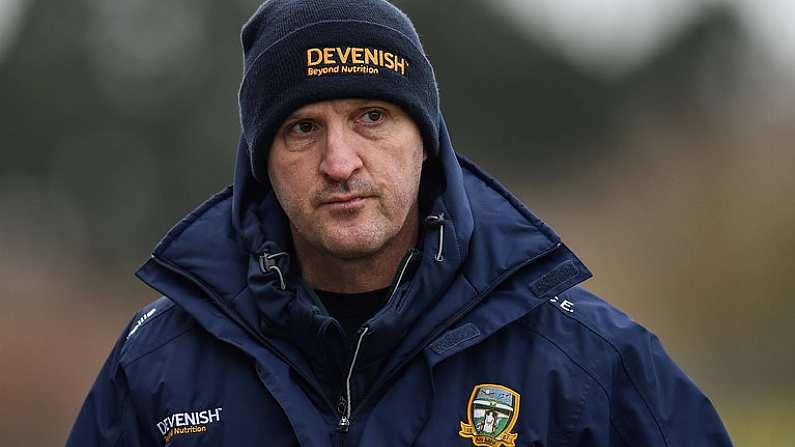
(344, 202)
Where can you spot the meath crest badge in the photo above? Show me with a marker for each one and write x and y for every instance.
(491, 413)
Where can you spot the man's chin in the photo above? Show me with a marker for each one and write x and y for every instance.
(351, 252)
(352, 248)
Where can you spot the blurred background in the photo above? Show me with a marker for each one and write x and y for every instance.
(656, 136)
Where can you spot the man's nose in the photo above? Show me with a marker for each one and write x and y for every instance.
(341, 156)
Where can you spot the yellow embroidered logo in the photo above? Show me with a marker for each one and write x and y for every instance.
(491, 414)
(353, 60)
(188, 422)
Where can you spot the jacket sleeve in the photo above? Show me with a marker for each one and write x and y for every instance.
(653, 402)
(107, 417)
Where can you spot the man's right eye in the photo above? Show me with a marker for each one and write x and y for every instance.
(302, 128)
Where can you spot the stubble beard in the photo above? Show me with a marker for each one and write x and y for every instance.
(351, 235)
(350, 241)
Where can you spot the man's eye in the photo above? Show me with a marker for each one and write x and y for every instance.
(373, 116)
(302, 128)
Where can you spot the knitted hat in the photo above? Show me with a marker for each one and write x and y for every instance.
(302, 51)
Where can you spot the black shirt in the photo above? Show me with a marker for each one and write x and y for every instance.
(353, 309)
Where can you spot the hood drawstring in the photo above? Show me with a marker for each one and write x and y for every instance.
(433, 221)
(267, 264)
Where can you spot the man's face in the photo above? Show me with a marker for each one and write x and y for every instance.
(347, 175)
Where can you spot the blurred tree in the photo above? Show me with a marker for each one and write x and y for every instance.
(123, 114)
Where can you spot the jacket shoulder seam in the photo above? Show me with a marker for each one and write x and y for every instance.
(156, 347)
(158, 344)
(624, 369)
(571, 359)
(581, 407)
(582, 367)
(589, 373)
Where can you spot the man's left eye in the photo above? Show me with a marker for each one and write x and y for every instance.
(373, 116)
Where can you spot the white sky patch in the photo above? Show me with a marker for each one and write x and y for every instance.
(612, 36)
(608, 35)
(11, 12)
(773, 23)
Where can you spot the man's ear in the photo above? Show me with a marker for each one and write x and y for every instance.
(424, 153)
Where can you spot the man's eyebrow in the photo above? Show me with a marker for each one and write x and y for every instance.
(358, 102)
(293, 115)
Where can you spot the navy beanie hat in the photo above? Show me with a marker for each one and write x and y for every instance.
(302, 51)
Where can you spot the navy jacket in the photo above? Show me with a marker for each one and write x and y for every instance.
(486, 340)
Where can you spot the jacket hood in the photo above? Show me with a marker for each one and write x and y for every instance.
(235, 251)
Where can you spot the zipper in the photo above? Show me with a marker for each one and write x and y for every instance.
(229, 313)
(345, 403)
(345, 406)
(458, 315)
(399, 277)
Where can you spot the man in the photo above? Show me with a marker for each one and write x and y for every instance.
(362, 284)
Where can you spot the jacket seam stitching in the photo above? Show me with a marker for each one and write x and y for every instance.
(168, 341)
(237, 294)
(578, 364)
(586, 370)
(578, 416)
(629, 376)
(618, 432)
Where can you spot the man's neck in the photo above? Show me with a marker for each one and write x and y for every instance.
(323, 271)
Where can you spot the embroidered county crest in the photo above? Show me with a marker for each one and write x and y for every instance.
(491, 414)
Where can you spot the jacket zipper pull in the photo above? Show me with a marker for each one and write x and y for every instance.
(344, 423)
